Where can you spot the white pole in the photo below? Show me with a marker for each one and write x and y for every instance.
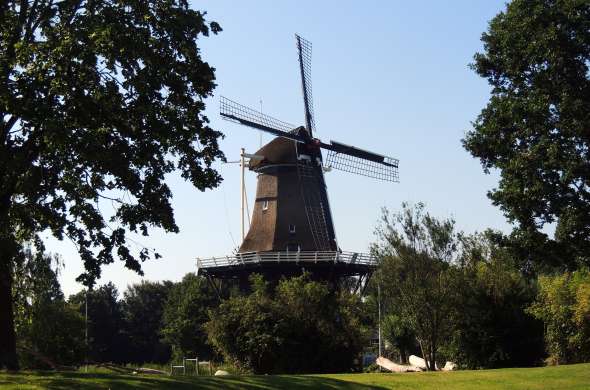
(242, 184)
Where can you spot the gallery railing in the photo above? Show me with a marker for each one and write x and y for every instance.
(242, 259)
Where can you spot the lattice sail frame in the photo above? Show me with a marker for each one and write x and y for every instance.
(304, 49)
(339, 156)
(234, 111)
(360, 166)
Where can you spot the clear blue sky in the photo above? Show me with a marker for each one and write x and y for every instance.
(388, 76)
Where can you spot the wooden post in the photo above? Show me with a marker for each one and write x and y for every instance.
(210, 369)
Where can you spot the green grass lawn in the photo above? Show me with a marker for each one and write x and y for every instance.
(563, 377)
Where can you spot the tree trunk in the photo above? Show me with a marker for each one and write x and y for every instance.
(428, 355)
(8, 358)
(433, 359)
(434, 349)
(403, 354)
(424, 355)
(433, 342)
(8, 249)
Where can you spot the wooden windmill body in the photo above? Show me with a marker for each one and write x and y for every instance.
(279, 220)
(292, 228)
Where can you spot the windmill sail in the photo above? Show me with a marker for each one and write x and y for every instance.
(304, 51)
(236, 112)
(311, 176)
(291, 179)
(292, 228)
(361, 162)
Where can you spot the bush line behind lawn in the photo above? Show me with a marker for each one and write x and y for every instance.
(575, 376)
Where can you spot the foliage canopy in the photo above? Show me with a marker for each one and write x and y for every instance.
(563, 304)
(99, 101)
(143, 306)
(535, 127)
(459, 297)
(492, 328)
(50, 331)
(416, 250)
(185, 313)
(299, 326)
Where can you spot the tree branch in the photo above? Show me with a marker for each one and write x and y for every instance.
(30, 26)
(8, 126)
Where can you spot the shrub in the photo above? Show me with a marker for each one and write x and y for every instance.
(563, 304)
(298, 326)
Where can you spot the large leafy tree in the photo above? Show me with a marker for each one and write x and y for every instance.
(563, 304)
(322, 328)
(107, 341)
(397, 332)
(416, 252)
(184, 317)
(50, 331)
(297, 326)
(492, 328)
(535, 128)
(143, 308)
(246, 330)
(99, 99)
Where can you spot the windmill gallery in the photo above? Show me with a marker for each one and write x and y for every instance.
(292, 229)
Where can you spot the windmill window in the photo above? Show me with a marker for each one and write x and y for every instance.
(291, 229)
(265, 205)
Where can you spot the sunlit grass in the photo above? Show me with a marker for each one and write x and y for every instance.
(562, 377)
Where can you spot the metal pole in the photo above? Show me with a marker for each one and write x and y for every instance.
(260, 132)
(86, 328)
(242, 192)
(379, 305)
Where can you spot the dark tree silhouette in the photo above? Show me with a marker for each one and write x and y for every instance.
(98, 100)
(536, 127)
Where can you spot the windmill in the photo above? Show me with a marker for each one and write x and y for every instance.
(292, 227)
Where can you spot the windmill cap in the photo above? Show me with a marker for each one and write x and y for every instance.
(278, 151)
